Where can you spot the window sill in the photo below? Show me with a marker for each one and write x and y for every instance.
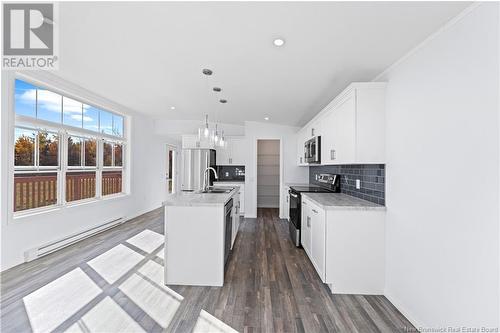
(51, 209)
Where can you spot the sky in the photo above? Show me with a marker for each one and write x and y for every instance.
(50, 106)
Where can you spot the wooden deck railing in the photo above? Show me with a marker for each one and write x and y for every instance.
(111, 182)
(34, 190)
(80, 185)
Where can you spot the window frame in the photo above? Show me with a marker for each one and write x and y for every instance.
(63, 131)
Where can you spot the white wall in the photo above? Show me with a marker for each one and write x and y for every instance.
(147, 180)
(443, 176)
(290, 172)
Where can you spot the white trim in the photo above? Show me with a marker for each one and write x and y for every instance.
(255, 176)
(62, 130)
(430, 38)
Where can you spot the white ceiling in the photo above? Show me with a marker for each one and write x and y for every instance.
(149, 56)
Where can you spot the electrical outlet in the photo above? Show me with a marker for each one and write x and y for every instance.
(316, 175)
(358, 184)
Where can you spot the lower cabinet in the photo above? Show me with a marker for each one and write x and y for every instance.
(286, 206)
(242, 193)
(346, 247)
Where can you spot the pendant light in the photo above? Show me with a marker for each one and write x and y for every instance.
(204, 132)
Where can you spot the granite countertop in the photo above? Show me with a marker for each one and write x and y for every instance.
(200, 199)
(229, 181)
(332, 201)
(297, 184)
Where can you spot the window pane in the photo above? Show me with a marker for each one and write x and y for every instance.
(106, 122)
(118, 154)
(90, 118)
(74, 151)
(80, 185)
(111, 182)
(107, 154)
(72, 112)
(49, 106)
(34, 190)
(24, 148)
(25, 99)
(90, 152)
(48, 149)
(117, 125)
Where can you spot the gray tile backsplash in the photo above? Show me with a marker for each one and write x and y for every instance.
(372, 177)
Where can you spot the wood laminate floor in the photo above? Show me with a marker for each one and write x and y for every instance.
(113, 282)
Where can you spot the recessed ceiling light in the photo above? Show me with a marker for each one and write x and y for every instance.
(266, 118)
(279, 42)
(172, 108)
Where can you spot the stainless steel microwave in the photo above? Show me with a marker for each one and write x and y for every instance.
(312, 150)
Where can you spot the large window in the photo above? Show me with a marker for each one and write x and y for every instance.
(36, 164)
(64, 150)
(112, 168)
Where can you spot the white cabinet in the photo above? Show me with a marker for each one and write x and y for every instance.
(190, 141)
(338, 144)
(286, 205)
(346, 247)
(305, 227)
(301, 139)
(318, 239)
(241, 193)
(236, 217)
(234, 153)
(355, 251)
(352, 126)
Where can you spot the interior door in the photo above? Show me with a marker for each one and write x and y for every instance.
(171, 170)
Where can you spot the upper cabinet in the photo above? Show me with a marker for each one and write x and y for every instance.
(233, 153)
(190, 141)
(352, 126)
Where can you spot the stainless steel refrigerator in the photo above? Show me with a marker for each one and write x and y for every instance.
(193, 164)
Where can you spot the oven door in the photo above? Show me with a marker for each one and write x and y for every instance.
(294, 224)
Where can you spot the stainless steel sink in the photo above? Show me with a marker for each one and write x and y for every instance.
(218, 190)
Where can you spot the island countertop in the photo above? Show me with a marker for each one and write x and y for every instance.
(200, 199)
(330, 201)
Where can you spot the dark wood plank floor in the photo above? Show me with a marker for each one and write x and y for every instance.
(270, 287)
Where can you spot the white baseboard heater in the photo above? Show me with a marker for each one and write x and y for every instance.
(45, 249)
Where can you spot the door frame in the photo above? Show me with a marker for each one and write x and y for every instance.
(175, 168)
(255, 175)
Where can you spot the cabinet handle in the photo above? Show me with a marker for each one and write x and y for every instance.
(312, 131)
(304, 203)
(301, 160)
(332, 154)
(308, 222)
(315, 211)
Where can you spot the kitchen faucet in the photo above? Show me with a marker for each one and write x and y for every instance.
(206, 177)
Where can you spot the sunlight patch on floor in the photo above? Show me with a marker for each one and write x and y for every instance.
(208, 323)
(115, 263)
(49, 306)
(106, 316)
(146, 289)
(147, 240)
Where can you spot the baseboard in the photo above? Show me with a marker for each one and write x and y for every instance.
(417, 323)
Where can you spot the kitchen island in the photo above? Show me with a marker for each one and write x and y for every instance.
(199, 231)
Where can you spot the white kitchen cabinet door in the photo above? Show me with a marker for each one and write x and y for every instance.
(286, 208)
(238, 152)
(190, 142)
(318, 239)
(222, 156)
(301, 139)
(305, 237)
(339, 139)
